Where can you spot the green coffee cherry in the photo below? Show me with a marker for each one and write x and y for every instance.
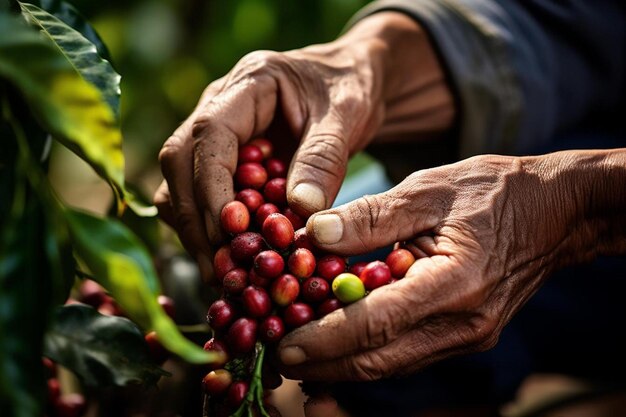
(348, 288)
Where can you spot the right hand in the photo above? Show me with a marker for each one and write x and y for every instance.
(377, 79)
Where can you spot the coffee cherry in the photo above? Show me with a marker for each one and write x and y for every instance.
(399, 261)
(375, 274)
(272, 329)
(217, 382)
(235, 281)
(357, 268)
(264, 211)
(245, 246)
(215, 345)
(269, 264)
(348, 288)
(298, 314)
(258, 280)
(275, 168)
(285, 290)
(301, 240)
(296, 221)
(157, 352)
(249, 153)
(235, 217)
(251, 198)
(315, 290)
(328, 306)
(70, 405)
(301, 263)
(221, 314)
(278, 231)
(275, 191)
(250, 175)
(167, 304)
(330, 266)
(266, 147)
(92, 293)
(241, 335)
(236, 394)
(223, 262)
(256, 301)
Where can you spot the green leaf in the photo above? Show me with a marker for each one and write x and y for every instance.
(79, 51)
(121, 264)
(145, 227)
(101, 350)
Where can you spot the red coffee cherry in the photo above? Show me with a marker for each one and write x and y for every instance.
(275, 168)
(264, 211)
(157, 352)
(301, 263)
(256, 301)
(285, 290)
(296, 221)
(278, 231)
(215, 345)
(235, 281)
(245, 246)
(315, 290)
(236, 394)
(328, 306)
(269, 264)
(258, 280)
(375, 274)
(275, 191)
(271, 329)
(235, 217)
(399, 262)
(223, 262)
(298, 314)
(221, 314)
(266, 147)
(249, 153)
(217, 382)
(357, 268)
(241, 335)
(250, 175)
(251, 198)
(70, 405)
(330, 266)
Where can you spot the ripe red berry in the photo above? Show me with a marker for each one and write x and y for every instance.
(221, 314)
(375, 274)
(264, 211)
(301, 263)
(275, 191)
(269, 264)
(70, 405)
(217, 382)
(266, 146)
(278, 231)
(298, 314)
(285, 290)
(330, 266)
(241, 335)
(245, 246)
(276, 168)
(157, 352)
(215, 345)
(249, 153)
(258, 280)
(235, 281)
(296, 221)
(301, 240)
(167, 304)
(271, 329)
(251, 198)
(250, 175)
(223, 262)
(357, 268)
(328, 306)
(399, 261)
(235, 217)
(236, 394)
(256, 301)
(315, 290)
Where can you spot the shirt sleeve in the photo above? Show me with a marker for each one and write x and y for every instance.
(524, 70)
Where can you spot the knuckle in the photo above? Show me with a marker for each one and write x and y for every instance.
(172, 147)
(259, 59)
(201, 128)
(367, 207)
(368, 367)
(380, 329)
(481, 332)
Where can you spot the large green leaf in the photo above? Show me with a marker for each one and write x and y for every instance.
(121, 264)
(101, 350)
(79, 51)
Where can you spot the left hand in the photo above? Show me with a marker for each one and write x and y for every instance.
(487, 231)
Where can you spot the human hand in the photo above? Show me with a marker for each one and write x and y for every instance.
(381, 76)
(486, 232)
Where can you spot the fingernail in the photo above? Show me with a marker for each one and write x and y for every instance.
(309, 196)
(292, 355)
(328, 228)
(206, 266)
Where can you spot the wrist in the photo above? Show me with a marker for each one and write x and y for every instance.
(587, 189)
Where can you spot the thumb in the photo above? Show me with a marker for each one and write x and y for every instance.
(318, 166)
(374, 221)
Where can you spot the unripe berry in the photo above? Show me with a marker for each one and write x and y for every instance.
(348, 288)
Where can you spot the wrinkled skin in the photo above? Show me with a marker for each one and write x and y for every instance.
(486, 231)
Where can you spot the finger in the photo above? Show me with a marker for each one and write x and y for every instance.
(163, 202)
(375, 221)
(322, 405)
(376, 320)
(319, 166)
(238, 113)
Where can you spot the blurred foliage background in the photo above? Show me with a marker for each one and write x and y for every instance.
(167, 51)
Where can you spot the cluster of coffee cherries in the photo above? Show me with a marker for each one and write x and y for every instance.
(273, 278)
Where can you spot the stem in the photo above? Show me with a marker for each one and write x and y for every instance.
(255, 393)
